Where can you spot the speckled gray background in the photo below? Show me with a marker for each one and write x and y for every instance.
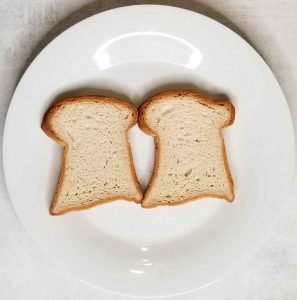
(26, 26)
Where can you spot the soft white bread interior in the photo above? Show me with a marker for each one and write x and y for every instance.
(97, 165)
(190, 156)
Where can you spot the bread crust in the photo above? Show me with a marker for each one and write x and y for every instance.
(144, 127)
(49, 130)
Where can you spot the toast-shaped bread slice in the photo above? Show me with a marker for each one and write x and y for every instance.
(97, 165)
(190, 155)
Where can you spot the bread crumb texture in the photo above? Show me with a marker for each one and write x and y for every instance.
(190, 160)
(97, 165)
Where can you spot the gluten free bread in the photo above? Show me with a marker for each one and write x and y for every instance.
(97, 165)
(190, 155)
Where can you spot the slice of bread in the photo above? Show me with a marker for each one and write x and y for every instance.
(190, 155)
(97, 165)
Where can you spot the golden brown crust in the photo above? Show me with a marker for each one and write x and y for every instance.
(144, 127)
(48, 129)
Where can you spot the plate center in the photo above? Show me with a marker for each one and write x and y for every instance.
(131, 223)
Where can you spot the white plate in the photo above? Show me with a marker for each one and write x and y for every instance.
(134, 52)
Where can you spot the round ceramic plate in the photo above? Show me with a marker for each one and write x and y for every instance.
(133, 53)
